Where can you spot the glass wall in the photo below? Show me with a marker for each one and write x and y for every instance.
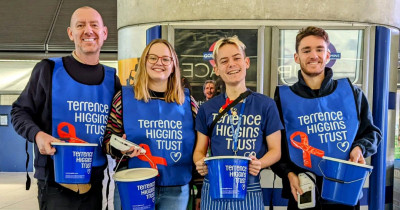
(194, 48)
(346, 55)
(15, 75)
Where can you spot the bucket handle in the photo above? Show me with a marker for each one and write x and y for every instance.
(120, 160)
(126, 154)
(338, 180)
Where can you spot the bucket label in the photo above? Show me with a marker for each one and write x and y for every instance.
(147, 190)
(84, 158)
(239, 175)
(146, 198)
(248, 134)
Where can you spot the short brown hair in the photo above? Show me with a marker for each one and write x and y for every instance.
(311, 31)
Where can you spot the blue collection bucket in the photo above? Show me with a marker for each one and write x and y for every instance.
(343, 180)
(228, 176)
(136, 188)
(73, 162)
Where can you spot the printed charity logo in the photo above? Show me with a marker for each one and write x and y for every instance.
(147, 190)
(343, 146)
(248, 132)
(176, 156)
(237, 172)
(327, 127)
(84, 158)
(93, 116)
(307, 149)
(167, 134)
(327, 130)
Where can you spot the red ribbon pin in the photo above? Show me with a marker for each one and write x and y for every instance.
(307, 149)
(71, 135)
(148, 157)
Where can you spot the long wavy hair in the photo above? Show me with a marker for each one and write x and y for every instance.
(174, 92)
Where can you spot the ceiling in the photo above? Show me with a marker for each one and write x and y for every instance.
(40, 26)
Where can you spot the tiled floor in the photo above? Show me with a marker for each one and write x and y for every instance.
(13, 195)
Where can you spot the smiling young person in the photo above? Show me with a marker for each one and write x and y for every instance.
(46, 101)
(157, 114)
(260, 136)
(348, 132)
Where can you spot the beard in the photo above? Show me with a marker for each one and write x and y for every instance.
(312, 73)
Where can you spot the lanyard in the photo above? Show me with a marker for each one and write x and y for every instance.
(235, 132)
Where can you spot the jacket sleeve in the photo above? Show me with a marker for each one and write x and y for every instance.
(29, 110)
(368, 135)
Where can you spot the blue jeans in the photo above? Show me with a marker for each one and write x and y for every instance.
(117, 200)
(167, 198)
(176, 197)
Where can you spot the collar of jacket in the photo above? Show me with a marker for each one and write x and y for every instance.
(328, 85)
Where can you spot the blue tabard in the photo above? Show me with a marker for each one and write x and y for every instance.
(319, 126)
(86, 107)
(166, 131)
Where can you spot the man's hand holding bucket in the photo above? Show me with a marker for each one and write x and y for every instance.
(254, 166)
(43, 141)
(201, 167)
(356, 155)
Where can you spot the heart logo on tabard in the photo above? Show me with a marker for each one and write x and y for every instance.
(175, 156)
(343, 146)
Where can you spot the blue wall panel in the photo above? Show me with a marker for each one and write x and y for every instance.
(12, 149)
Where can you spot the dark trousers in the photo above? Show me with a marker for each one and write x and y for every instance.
(292, 205)
(54, 196)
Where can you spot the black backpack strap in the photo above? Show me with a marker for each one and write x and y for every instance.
(271, 199)
(236, 101)
(28, 179)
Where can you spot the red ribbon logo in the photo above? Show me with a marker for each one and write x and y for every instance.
(307, 149)
(71, 135)
(153, 160)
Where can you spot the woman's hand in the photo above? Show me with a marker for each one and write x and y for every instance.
(131, 152)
